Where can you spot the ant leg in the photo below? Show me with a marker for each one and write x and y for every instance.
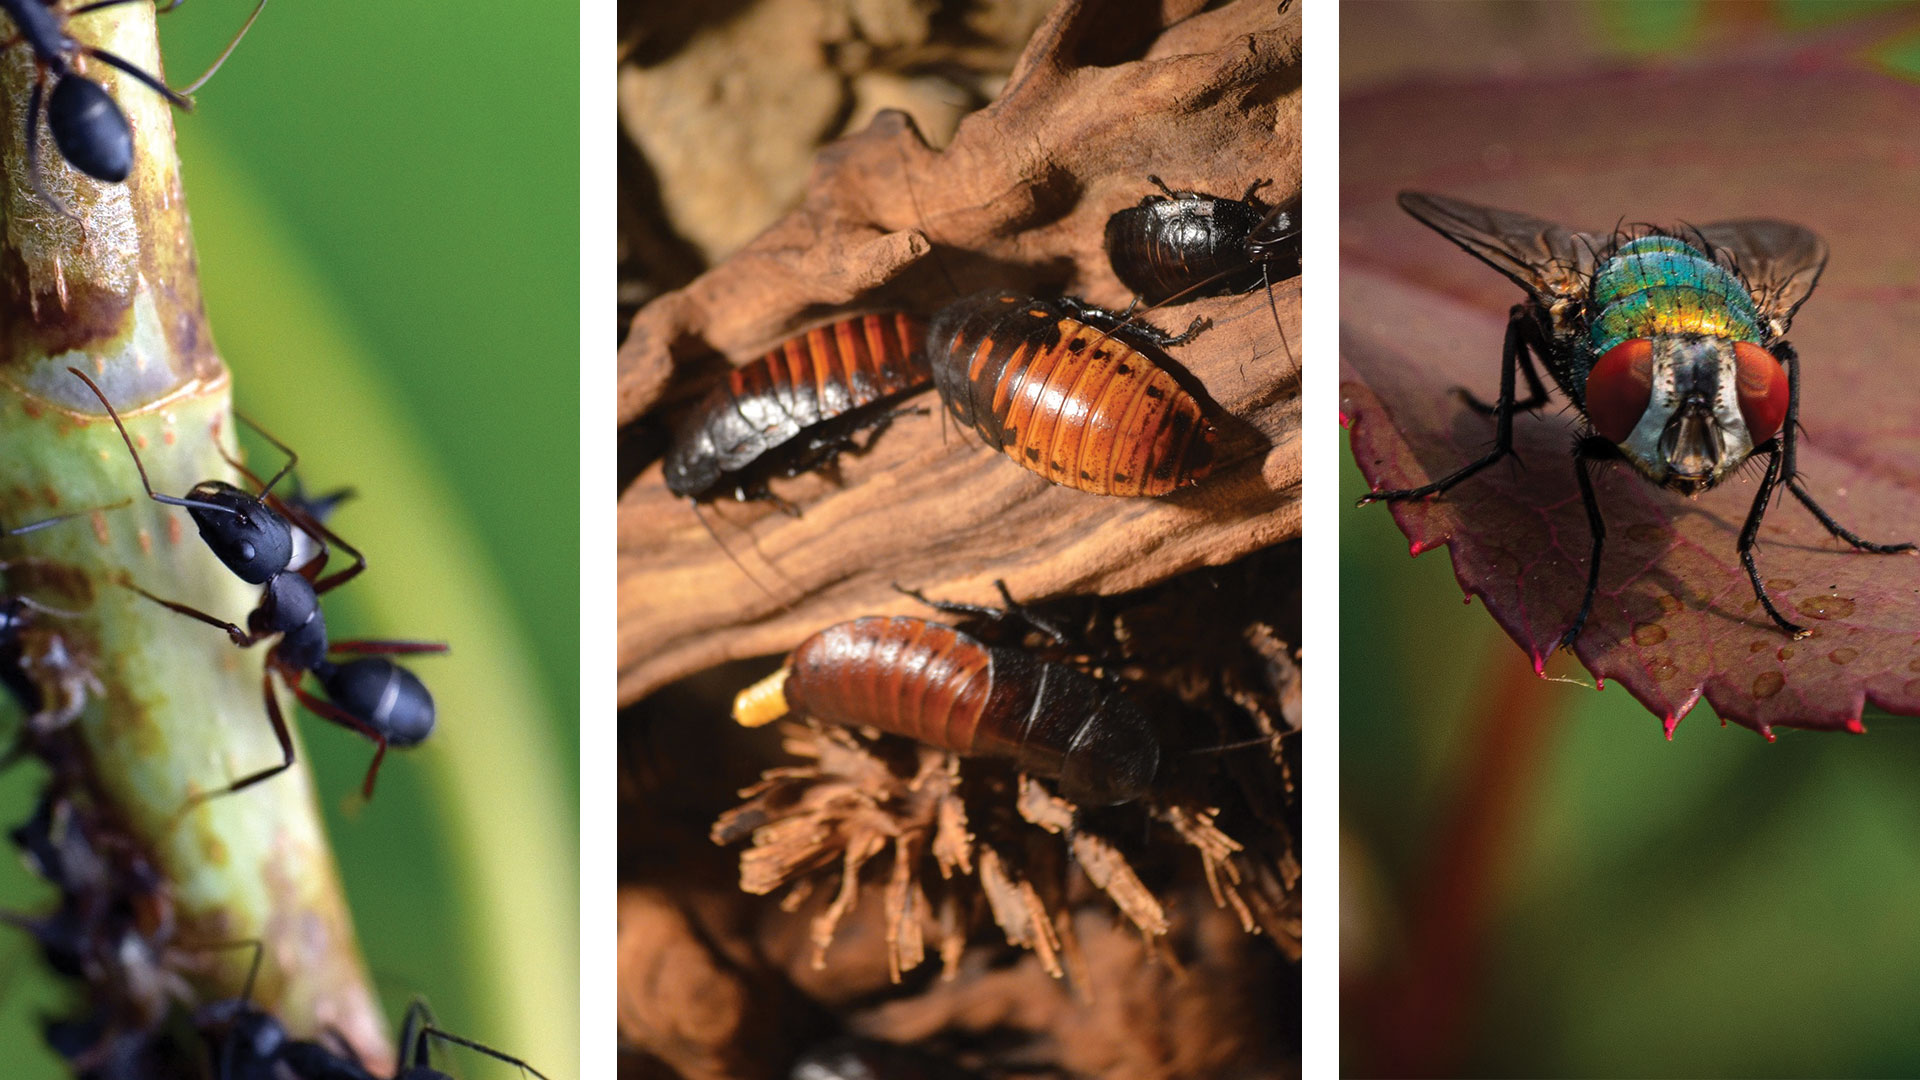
(35, 174)
(292, 458)
(1750, 533)
(327, 710)
(1586, 451)
(240, 637)
(1503, 423)
(434, 1032)
(386, 648)
(280, 732)
(312, 527)
(1789, 468)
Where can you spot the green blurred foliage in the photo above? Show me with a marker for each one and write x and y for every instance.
(417, 168)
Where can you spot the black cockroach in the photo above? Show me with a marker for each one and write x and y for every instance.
(1083, 406)
(797, 407)
(1670, 343)
(88, 127)
(927, 681)
(1186, 244)
(252, 535)
(249, 1043)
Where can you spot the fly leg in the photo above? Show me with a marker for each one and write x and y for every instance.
(1789, 436)
(1585, 452)
(1502, 414)
(1536, 390)
(1750, 533)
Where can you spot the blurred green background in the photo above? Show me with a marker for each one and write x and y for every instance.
(1553, 888)
(386, 201)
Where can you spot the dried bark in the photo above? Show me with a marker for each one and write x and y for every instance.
(1100, 99)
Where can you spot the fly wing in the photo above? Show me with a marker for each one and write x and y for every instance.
(1780, 263)
(1550, 261)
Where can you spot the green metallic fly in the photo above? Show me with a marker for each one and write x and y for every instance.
(1672, 345)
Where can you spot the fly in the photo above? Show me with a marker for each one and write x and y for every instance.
(1671, 344)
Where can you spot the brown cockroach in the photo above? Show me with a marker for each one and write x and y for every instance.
(798, 406)
(1042, 381)
(927, 681)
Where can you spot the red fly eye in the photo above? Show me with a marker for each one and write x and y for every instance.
(1619, 387)
(1763, 390)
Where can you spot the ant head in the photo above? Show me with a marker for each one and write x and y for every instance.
(89, 129)
(249, 536)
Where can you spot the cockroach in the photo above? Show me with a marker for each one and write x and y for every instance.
(1187, 244)
(798, 407)
(1055, 385)
(927, 681)
(1184, 245)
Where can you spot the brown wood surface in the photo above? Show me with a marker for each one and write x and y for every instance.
(1019, 200)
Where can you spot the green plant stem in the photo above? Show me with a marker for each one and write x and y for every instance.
(178, 709)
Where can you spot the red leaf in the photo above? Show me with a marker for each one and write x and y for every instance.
(1803, 137)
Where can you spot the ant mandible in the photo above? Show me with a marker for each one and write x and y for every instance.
(252, 535)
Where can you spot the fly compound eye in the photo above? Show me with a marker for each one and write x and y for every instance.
(1763, 391)
(1620, 386)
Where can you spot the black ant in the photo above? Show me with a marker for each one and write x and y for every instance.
(251, 1043)
(89, 128)
(251, 534)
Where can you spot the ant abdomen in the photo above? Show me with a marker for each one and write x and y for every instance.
(387, 697)
(89, 129)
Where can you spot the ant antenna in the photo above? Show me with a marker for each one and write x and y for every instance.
(231, 45)
(36, 526)
(170, 500)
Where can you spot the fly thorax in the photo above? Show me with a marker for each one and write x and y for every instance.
(1692, 433)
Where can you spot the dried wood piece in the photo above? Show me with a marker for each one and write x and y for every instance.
(1019, 200)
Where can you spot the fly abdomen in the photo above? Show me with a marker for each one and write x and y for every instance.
(1066, 400)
